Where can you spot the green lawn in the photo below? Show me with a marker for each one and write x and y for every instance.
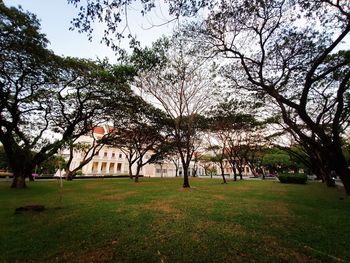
(158, 221)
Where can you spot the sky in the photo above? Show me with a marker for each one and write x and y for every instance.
(55, 17)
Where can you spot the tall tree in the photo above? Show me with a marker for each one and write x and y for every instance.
(288, 50)
(237, 132)
(45, 100)
(207, 162)
(294, 57)
(139, 133)
(182, 85)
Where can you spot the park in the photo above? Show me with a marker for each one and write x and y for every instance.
(219, 132)
(157, 220)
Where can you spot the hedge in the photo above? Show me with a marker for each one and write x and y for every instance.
(293, 178)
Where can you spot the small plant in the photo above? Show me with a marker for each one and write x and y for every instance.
(297, 178)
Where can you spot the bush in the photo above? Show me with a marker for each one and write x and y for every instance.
(293, 178)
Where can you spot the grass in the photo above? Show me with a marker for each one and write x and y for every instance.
(158, 221)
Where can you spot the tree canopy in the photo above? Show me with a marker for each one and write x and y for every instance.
(46, 100)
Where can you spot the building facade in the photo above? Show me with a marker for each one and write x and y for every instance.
(109, 160)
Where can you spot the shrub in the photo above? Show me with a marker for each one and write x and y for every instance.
(293, 178)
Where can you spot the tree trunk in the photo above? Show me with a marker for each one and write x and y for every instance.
(234, 174)
(161, 170)
(223, 173)
(138, 168)
(20, 172)
(186, 183)
(344, 175)
(239, 172)
(31, 178)
(263, 173)
(340, 166)
(18, 181)
(223, 178)
(130, 171)
(70, 175)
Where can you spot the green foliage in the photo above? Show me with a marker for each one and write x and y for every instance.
(50, 166)
(42, 93)
(282, 159)
(297, 178)
(276, 157)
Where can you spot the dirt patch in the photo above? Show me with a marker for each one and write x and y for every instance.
(279, 209)
(219, 197)
(187, 189)
(244, 189)
(29, 208)
(104, 254)
(270, 209)
(118, 196)
(164, 206)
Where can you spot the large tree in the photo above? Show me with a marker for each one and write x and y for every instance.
(288, 50)
(139, 133)
(182, 85)
(45, 100)
(238, 134)
(294, 58)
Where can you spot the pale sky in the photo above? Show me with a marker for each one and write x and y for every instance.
(55, 17)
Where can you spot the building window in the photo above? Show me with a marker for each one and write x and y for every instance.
(105, 154)
(120, 156)
(113, 155)
(103, 167)
(111, 168)
(119, 167)
(94, 167)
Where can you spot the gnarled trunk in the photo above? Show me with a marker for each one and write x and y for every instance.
(18, 181)
(340, 166)
(70, 175)
(19, 176)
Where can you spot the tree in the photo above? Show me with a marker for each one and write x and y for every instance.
(207, 161)
(277, 160)
(292, 61)
(182, 85)
(45, 100)
(87, 150)
(50, 165)
(237, 132)
(287, 50)
(218, 155)
(140, 132)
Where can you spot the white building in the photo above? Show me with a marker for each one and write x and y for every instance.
(111, 160)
